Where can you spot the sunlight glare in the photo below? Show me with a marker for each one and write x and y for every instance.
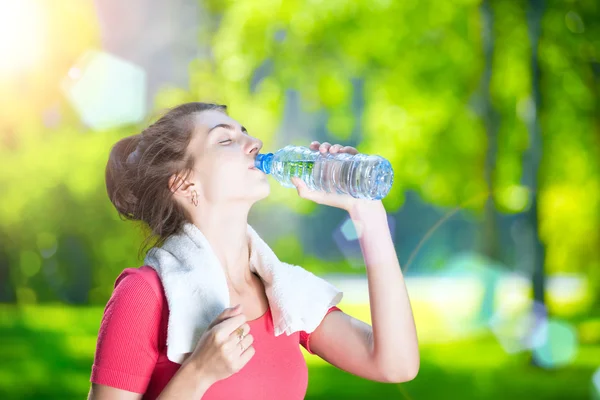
(21, 35)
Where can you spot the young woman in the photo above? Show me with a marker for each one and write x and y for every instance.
(196, 165)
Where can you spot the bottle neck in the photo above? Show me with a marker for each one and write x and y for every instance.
(264, 162)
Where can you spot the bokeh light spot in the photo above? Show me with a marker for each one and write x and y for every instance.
(30, 263)
(557, 344)
(106, 91)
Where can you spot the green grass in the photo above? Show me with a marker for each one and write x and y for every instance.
(47, 352)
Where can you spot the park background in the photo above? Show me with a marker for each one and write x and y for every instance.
(489, 112)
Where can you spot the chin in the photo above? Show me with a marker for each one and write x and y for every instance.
(254, 192)
(265, 190)
(261, 191)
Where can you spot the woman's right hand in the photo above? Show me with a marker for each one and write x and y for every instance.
(219, 353)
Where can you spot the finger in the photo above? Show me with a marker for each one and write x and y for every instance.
(227, 313)
(301, 187)
(335, 148)
(306, 192)
(231, 324)
(243, 329)
(349, 149)
(239, 334)
(247, 355)
(235, 344)
(245, 342)
(299, 183)
(246, 339)
(324, 147)
(314, 145)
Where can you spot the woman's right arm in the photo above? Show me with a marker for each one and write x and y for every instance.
(99, 392)
(188, 383)
(128, 346)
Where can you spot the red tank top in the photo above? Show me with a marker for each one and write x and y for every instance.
(131, 348)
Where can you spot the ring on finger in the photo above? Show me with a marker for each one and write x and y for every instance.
(240, 332)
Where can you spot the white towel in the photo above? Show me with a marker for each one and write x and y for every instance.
(197, 292)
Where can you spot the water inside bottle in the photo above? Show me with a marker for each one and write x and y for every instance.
(361, 176)
(288, 169)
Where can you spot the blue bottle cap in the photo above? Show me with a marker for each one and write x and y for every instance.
(262, 162)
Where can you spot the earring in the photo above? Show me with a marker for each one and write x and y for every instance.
(195, 199)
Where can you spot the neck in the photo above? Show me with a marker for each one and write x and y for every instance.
(225, 228)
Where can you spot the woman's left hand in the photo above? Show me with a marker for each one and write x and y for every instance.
(343, 201)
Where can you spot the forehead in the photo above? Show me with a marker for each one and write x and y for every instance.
(205, 120)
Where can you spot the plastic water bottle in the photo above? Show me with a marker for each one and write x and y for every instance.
(361, 176)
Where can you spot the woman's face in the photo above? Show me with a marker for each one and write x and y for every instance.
(225, 154)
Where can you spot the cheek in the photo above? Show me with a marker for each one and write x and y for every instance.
(227, 177)
(222, 165)
(226, 172)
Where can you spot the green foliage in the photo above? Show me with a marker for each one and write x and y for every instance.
(570, 201)
(420, 63)
(48, 351)
(420, 66)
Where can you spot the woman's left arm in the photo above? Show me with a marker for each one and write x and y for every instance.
(395, 342)
(392, 346)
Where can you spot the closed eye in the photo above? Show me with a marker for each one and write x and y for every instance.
(229, 140)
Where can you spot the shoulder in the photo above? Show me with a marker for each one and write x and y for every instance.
(130, 335)
(136, 300)
(140, 280)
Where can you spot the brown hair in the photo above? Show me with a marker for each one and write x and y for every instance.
(139, 168)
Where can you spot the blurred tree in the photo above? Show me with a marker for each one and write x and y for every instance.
(490, 117)
(420, 63)
(569, 195)
(422, 69)
(7, 294)
(531, 162)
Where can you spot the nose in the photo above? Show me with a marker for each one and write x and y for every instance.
(254, 145)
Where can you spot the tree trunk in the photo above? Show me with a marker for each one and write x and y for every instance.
(532, 158)
(594, 274)
(490, 244)
(7, 292)
(490, 228)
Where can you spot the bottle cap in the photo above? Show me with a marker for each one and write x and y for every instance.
(263, 163)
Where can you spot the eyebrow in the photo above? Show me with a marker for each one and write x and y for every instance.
(226, 126)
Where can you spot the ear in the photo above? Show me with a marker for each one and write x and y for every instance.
(180, 186)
